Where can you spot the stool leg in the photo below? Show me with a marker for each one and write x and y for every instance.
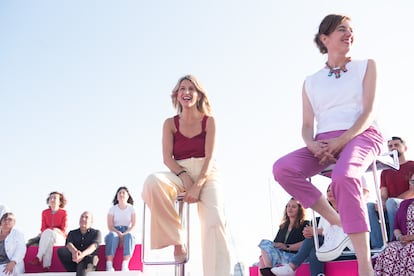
(380, 208)
(180, 268)
(184, 214)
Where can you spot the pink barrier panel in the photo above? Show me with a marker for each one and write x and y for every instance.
(134, 264)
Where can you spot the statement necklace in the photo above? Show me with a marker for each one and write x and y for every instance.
(337, 70)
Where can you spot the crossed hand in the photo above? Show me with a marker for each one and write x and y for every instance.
(327, 150)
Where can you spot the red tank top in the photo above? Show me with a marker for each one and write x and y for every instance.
(185, 147)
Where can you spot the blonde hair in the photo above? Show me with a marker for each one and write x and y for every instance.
(203, 104)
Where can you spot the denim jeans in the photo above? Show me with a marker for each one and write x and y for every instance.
(392, 205)
(375, 235)
(112, 242)
(307, 252)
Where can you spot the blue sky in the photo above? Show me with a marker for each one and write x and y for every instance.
(85, 87)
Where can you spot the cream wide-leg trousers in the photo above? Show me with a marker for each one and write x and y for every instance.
(48, 239)
(160, 192)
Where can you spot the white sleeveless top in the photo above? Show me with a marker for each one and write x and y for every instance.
(337, 103)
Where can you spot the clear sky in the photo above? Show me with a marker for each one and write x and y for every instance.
(85, 88)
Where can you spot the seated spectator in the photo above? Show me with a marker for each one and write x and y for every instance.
(288, 239)
(398, 256)
(53, 230)
(394, 189)
(81, 252)
(121, 224)
(12, 246)
(307, 251)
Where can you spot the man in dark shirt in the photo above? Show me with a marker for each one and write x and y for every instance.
(80, 253)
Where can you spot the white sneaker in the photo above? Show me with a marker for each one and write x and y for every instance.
(109, 266)
(284, 270)
(335, 241)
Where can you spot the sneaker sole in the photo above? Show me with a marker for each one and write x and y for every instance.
(334, 253)
(285, 273)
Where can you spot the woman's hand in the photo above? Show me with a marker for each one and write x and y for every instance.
(406, 239)
(8, 269)
(192, 195)
(333, 147)
(320, 150)
(187, 181)
(280, 245)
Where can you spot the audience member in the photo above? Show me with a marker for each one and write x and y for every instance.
(398, 256)
(121, 221)
(81, 251)
(12, 247)
(307, 250)
(394, 189)
(288, 240)
(53, 229)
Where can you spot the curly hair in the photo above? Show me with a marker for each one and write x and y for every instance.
(62, 199)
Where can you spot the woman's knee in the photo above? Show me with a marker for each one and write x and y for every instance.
(111, 237)
(48, 234)
(281, 170)
(129, 238)
(390, 204)
(153, 184)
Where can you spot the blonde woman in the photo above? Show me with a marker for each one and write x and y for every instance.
(188, 151)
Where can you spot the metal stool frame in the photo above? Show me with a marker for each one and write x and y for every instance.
(179, 267)
(379, 164)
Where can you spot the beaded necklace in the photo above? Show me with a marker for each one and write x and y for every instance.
(337, 70)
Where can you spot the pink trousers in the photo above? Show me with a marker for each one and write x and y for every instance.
(294, 169)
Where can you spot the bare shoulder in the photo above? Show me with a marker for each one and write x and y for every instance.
(169, 123)
(211, 122)
(371, 63)
(210, 119)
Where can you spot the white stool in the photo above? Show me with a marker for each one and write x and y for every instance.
(183, 210)
(382, 162)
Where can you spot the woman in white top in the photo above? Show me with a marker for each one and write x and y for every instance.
(340, 99)
(121, 221)
(12, 247)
